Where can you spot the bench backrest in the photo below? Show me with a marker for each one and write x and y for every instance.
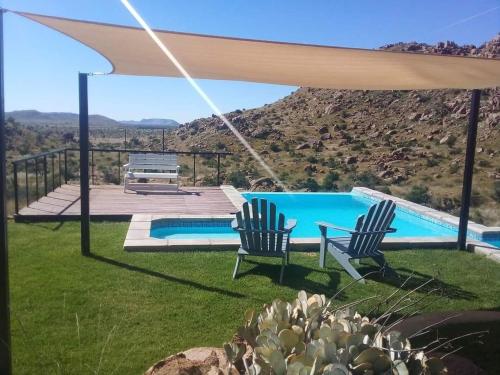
(152, 161)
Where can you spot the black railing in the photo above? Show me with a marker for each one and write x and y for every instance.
(59, 169)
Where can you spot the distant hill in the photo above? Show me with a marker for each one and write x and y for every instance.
(33, 117)
(152, 123)
(65, 119)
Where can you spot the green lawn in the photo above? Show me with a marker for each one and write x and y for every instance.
(118, 312)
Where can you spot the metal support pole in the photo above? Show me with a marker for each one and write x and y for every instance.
(84, 164)
(218, 169)
(5, 348)
(125, 143)
(163, 140)
(16, 193)
(468, 169)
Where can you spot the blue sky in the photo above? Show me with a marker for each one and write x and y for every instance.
(41, 65)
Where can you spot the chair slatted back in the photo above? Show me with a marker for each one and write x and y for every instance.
(153, 161)
(369, 230)
(258, 230)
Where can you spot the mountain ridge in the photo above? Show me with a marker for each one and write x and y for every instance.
(34, 117)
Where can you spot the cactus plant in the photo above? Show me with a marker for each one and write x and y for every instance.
(310, 337)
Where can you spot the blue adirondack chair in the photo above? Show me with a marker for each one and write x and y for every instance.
(260, 234)
(364, 239)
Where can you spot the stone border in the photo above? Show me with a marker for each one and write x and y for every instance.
(233, 195)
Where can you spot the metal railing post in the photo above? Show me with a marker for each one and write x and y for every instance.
(92, 166)
(65, 165)
(119, 168)
(27, 187)
(16, 194)
(194, 169)
(163, 140)
(59, 166)
(218, 169)
(45, 171)
(36, 179)
(53, 172)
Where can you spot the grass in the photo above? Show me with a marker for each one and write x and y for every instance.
(118, 312)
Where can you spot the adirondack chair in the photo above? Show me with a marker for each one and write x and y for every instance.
(260, 234)
(364, 239)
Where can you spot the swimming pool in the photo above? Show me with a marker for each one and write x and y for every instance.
(339, 208)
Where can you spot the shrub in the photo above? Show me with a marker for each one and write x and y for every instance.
(312, 159)
(238, 179)
(431, 162)
(367, 179)
(496, 191)
(329, 181)
(274, 147)
(418, 194)
(309, 185)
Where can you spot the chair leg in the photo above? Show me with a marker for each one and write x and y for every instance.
(283, 264)
(237, 266)
(344, 262)
(322, 254)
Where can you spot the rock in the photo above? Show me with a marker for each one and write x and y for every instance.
(479, 150)
(196, 361)
(264, 184)
(391, 132)
(385, 174)
(445, 139)
(260, 133)
(414, 116)
(326, 136)
(303, 146)
(323, 130)
(351, 160)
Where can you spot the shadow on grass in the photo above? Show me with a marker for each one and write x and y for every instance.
(295, 277)
(413, 279)
(159, 275)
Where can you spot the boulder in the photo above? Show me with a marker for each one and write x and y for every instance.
(351, 160)
(303, 146)
(323, 130)
(326, 137)
(264, 184)
(196, 361)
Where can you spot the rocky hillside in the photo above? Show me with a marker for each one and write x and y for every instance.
(411, 143)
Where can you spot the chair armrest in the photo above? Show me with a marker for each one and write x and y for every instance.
(328, 225)
(290, 224)
(391, 230)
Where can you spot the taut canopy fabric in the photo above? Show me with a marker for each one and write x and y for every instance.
(132, 52)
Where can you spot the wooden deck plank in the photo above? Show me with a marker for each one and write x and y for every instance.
(110, 200)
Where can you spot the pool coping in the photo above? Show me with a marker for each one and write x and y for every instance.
(138, 235)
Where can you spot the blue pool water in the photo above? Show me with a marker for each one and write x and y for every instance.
(343, 209)
(338, 208)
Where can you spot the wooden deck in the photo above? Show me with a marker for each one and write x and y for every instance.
(110, 202)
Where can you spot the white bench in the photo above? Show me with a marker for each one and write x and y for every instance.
(157, 166)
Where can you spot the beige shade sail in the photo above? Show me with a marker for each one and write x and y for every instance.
(132, 52)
